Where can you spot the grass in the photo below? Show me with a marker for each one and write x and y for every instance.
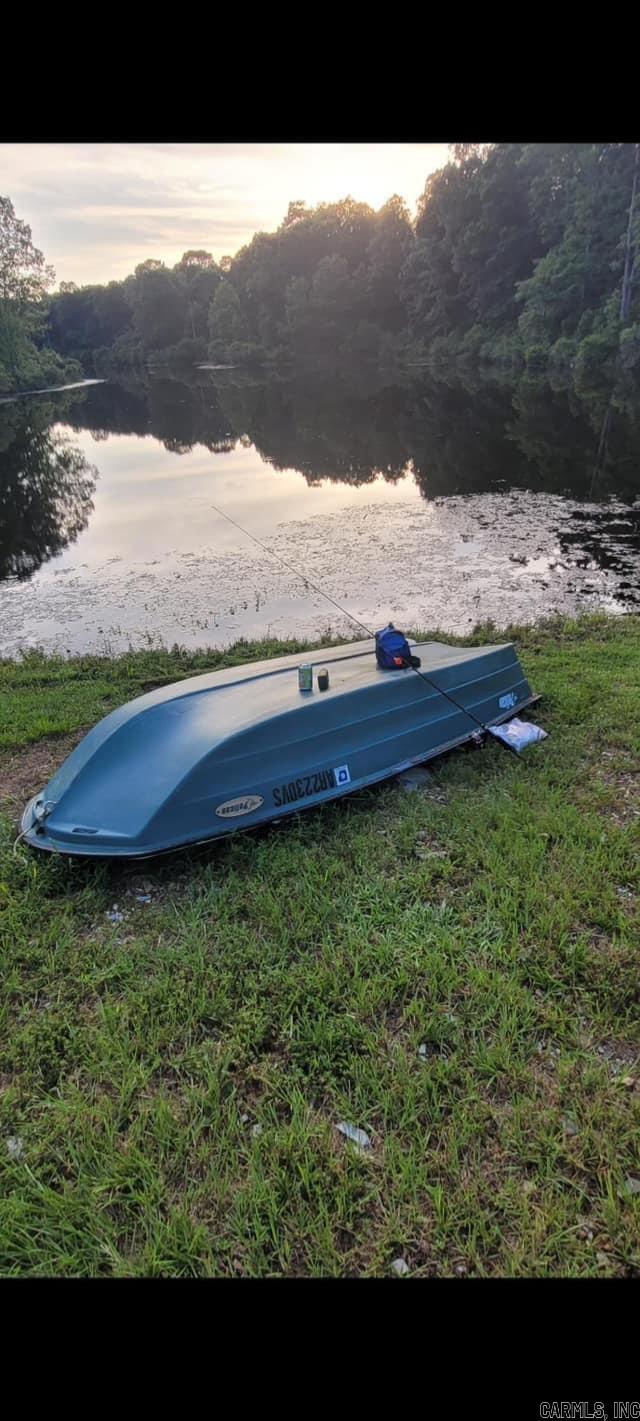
(455, 971)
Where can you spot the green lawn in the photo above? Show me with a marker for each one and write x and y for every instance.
(170, 1085)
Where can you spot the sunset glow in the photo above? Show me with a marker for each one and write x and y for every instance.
(99, 209)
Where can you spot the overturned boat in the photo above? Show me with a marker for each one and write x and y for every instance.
(244, 746)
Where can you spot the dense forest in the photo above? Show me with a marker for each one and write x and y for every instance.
(521, 256)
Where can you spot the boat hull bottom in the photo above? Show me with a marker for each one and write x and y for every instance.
(36, 835)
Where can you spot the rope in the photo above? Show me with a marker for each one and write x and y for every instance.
(17, 841)
(48, 805)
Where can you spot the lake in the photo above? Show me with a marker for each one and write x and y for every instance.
(433, 503)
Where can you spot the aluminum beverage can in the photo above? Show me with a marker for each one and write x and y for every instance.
(305, 677)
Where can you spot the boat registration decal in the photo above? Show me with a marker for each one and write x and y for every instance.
(244, 804)
(308, 785)
(506, 702)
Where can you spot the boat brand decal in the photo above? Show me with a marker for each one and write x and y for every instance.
(305, 786)
(506, 702)
(234, 808)
(342, 775)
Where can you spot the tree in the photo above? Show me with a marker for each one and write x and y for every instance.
(46, 495)
(431, 284)
(85, 319)
(24, 281)
(497, 241)
(159, 306)
(198, 260)
(24, 274)
(298, 309)
(631, 239)
(226, 324)
(296, 212)
(199, 277)
(519, 254)
(387, 252)
(591, 191)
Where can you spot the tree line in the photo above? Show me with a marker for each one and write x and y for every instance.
(521, 256)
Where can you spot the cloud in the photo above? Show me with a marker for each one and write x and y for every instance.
(97, 209)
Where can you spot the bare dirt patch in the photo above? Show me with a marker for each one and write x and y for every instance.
(619, 1055)
(626, 785)
(24, 771)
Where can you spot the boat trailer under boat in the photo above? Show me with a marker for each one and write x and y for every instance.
(232, 749)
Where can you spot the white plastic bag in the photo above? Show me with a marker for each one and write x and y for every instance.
(517, 734)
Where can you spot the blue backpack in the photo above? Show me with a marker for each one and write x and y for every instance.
(393, 652)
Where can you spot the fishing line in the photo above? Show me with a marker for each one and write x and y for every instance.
(292, 569)
(321, 592)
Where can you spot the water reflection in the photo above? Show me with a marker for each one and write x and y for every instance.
(454, 438)
(46, 491)
(607, 540)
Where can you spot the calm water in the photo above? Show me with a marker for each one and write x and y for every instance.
(433, 504)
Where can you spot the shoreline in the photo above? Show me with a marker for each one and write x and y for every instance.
(105, 680)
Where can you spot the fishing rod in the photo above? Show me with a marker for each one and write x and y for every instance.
(321, 592)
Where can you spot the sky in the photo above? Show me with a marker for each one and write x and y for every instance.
(96, 210)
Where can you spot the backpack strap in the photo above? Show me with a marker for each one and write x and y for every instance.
(406, 661)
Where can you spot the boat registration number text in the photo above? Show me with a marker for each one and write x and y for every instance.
(307, 785)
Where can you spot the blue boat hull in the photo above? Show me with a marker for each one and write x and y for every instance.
(233, 749)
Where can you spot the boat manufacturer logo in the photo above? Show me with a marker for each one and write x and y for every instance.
(244, 804)
(506, 702)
